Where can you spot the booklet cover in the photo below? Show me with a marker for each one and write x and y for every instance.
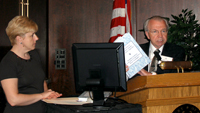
(135, 57)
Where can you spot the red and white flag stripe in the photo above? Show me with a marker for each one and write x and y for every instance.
(121, 19)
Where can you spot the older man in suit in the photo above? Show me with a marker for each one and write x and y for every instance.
(156, 29)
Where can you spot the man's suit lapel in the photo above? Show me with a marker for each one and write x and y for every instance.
(146, 49)
(166, 51)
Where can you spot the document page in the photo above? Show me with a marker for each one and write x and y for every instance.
(135, 57)
(131, 57)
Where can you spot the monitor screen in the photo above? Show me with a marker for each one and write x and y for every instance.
(99, 64)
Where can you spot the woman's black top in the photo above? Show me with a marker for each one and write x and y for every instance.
(30, 77)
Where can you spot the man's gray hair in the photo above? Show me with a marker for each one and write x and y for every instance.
(155, 18)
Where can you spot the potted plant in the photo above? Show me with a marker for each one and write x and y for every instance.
(185, 31)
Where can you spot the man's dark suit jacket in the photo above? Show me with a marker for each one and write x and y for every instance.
(170, 50)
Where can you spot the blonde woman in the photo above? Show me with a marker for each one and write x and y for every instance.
(21, 74)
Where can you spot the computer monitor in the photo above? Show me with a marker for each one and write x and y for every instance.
(99, 67)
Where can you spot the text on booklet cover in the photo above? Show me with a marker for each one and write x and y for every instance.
(135, 57)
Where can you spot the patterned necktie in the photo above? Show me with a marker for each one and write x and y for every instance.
(156, 58)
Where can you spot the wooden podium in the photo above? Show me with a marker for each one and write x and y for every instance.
(163, 93)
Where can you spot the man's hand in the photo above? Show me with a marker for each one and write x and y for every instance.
(143, 72)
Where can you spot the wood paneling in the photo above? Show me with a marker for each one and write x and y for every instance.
(8, 10)
(72, 21)
(37, 12)
(75, 21)
(147, 8)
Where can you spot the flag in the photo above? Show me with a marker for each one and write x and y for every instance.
(121, 19)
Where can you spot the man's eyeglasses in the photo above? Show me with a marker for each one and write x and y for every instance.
(155, 32)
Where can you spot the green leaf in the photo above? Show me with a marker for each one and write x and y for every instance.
(175, 17)
(184, 10)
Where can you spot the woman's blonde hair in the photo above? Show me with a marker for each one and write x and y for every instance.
(19, 26)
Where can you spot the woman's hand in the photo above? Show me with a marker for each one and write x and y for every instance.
(49, 94)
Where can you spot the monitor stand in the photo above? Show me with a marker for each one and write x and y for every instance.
(97, 88)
